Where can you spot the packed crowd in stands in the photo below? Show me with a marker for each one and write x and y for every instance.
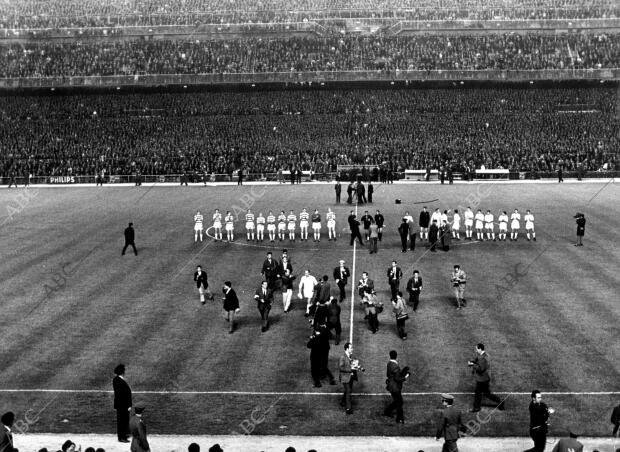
(27, 14)
(524, 129)
(341, 53)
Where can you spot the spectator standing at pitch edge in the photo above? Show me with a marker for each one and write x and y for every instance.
(130, 236)
(338, 190)
(122, 403)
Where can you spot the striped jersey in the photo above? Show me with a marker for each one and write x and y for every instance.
(260, 219)
(198, 218)
(229, 219)
(249, 217)
(304, 216)
(281, 218)
(292, 218)
(271, 219)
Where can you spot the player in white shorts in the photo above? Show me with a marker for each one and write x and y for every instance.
(198, 226)
(456, 225)
(271, 226)
(304, 222)
(479, 217)
(260, 227)
(331, 224)
(249, 225)
(217, 225)
(488, 225)
(436, 216)
(515, 219)
(529, 225)
(469, 222)
(291, 219)
(229, 220)
(503, 225)
(444, 218)
(316, 225)
(281, 225)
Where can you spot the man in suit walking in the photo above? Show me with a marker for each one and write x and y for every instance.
(122, 403)
(333, 319)
(394, 384)
(139, 443)
(414, 286)
(270, 271)
(394, 275)
(450, 424)
(480, 368)
(338, 189)
(6, 435)
(264, 298)
(341, 276)
(231, 305)
(130, 237)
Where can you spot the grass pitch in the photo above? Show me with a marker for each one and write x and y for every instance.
(73, 308)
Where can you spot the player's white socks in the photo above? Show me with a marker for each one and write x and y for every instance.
(202, 298)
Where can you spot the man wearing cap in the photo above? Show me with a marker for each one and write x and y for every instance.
(122, 403)
(458, 280)
(450, 424)
(139, 443)
(6, 436)
(539, 422)
(341, 276)
(569, 444)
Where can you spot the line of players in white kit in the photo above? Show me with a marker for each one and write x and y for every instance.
(284, 226)
(280, 227)
(482, 223)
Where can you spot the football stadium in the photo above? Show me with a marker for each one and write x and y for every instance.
(309, 225)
